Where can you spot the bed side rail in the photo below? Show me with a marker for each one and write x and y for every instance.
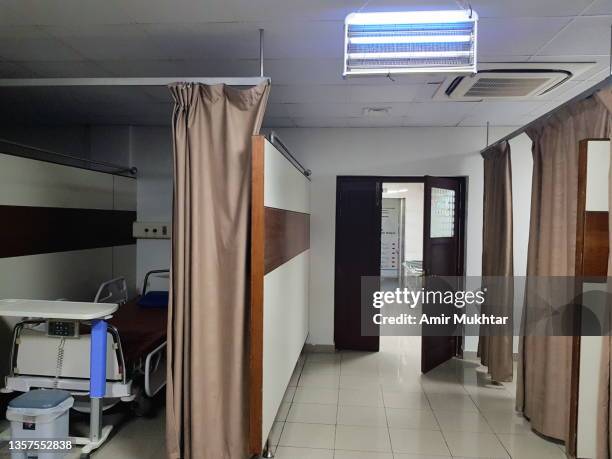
(155, 370)
(112, 291)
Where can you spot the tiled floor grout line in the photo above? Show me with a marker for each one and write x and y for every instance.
(455, 382)
(338, 402)
(297, 384)
(439, 425)
(481, 413)
(380, 387)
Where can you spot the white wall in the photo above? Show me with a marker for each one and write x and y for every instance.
(522, 168)
(591, 347)
(151, 153)
(285, 302)
(70, 140)
(378, 151)
(76, 274)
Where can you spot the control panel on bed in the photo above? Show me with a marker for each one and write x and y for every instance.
(63, 328)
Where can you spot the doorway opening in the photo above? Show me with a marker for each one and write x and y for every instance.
(395, 232)
(401, 250)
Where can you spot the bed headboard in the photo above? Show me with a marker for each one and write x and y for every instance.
(280, 242)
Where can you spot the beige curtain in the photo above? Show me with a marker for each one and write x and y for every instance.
(604, 426)
(497, 259)
(207, 405)
(543, 388)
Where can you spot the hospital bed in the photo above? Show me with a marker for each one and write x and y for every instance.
(54, 353)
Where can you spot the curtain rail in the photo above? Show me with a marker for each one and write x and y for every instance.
(153, 81)
(277, 142)
(115, 168)
(583, 95)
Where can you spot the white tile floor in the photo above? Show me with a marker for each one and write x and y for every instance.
(353, 405)
(135, 438)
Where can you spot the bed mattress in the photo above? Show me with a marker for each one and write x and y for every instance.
(141, 329)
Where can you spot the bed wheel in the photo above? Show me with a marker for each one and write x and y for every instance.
(142, 405)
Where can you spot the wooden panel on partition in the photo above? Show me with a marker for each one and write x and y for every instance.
(592, 247)
(257, 284)
(280, 242)
(595, 259)
(287, 234)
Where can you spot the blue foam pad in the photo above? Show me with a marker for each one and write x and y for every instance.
(154, 300)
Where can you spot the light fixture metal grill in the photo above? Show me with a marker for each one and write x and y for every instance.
(426, 41)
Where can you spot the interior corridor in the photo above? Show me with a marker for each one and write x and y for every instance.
(352, 405)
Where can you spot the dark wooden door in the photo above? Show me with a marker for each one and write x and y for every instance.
(442, 256)
(358, 216)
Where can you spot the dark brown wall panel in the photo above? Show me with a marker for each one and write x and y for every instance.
(595, 262)
(287, 234)
(28, 230)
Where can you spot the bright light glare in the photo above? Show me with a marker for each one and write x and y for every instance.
(412, 17)
(410, 42)
(411, 39)
(422, 55)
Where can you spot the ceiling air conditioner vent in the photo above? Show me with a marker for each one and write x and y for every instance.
(505, 87)
(512, 81)
(487, 85)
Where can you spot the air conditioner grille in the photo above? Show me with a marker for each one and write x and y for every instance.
(505, 87)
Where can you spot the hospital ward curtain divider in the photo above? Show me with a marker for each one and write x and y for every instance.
(495, 352)
(207, 389)
(545, 362)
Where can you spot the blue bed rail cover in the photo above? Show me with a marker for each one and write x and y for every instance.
(154, 300)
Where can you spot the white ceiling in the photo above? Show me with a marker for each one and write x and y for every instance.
(303, 56)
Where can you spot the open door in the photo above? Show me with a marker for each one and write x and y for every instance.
(442, 256)
(358, 211)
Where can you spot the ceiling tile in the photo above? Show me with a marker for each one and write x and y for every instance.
(524, 8)
(121, 95)
(585, 36)
(599, 7)
(389, 93)
(368, 122)
(321, 121)
(313, 110)
(205, 41)
(175, 11)
(500, 112)
(494, 58)
(109, 42)
(596, 63)
(336, 93)
(517, 36)
(277, 110)
(437, 108)
(304, 71)
(64, 12)
(12, 70)
(303, 40)
(277, 122)
(182, 68)
(35, 48)
(67, 69)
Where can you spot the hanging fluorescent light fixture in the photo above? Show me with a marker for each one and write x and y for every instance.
(410, 42)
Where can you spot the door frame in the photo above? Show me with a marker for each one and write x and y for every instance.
(380, 179)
